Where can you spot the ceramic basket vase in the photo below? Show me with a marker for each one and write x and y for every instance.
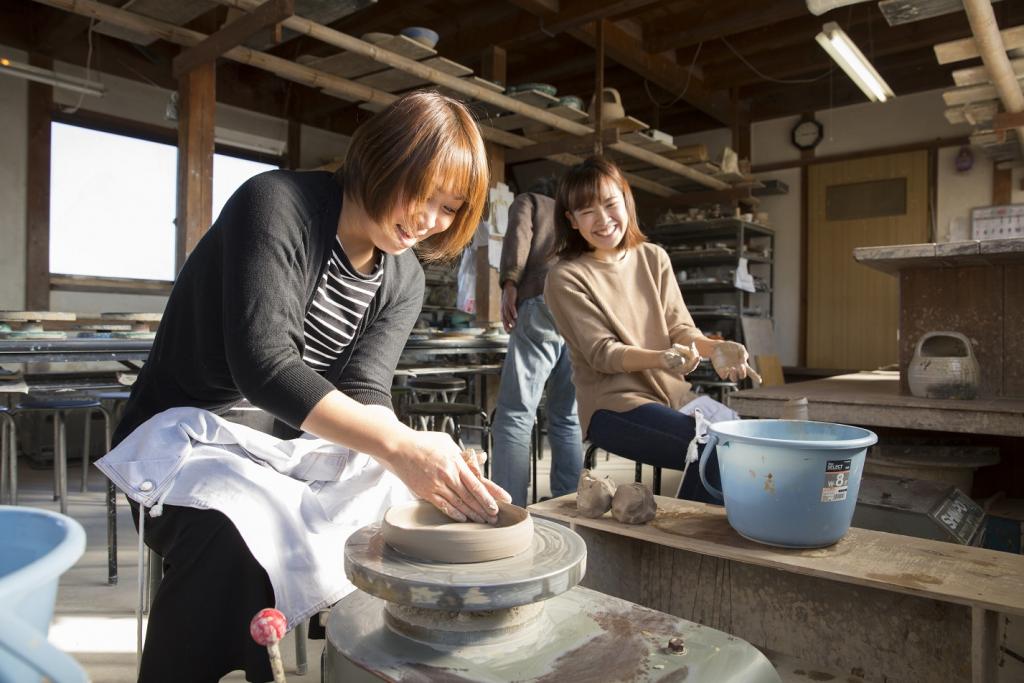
(611, 106)
(943, 366)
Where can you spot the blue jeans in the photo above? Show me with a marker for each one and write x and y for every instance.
(655, 434)
(536, 355)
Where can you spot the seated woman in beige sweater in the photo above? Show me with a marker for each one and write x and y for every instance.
(631, 340)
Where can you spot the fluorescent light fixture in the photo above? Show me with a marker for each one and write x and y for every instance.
(50, 77)
(841, 49)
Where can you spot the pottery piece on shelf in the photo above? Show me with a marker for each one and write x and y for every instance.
(423, 532)
(376, 37)
(545, 88)
(634, 504)
(611, 106)
(593, 495)
(571, 101)
(421, 35)
(943, 366)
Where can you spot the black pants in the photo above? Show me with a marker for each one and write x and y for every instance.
(655, 434)
(211, 588)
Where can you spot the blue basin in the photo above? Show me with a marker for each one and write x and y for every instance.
(789, 483)
(36, 547)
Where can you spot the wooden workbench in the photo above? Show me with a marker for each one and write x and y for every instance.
(873, 399)
(877, 606)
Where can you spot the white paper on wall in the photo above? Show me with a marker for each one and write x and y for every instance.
(743, 280)
(501, 199)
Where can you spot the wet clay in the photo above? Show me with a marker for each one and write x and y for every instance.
(421, 531)
(634, 504)
(593, 495)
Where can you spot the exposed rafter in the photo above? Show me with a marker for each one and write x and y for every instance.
(627, 50)
(722, 19)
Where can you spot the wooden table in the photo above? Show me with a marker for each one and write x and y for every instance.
(873, 399)
(876, 606)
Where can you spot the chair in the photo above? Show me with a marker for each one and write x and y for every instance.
(589, 460)
(434, 388)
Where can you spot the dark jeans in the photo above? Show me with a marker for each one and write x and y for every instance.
(655, 434)
(211, 588)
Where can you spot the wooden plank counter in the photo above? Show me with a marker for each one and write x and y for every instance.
(875, 605)
(873, 399)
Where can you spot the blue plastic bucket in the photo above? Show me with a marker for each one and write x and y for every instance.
(36, 547)
(789, 483)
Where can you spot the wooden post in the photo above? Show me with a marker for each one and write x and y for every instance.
(196, 90)
(598, 87)
(294, 152)
(37, 199)
(488, 289)
(740, 125)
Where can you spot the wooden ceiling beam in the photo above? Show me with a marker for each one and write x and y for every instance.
(724, 19)
(809, 58)
(270, 13)
(627, 50)
(573, 13)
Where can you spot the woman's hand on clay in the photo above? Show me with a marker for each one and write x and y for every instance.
(434, 469)
(730, 360)
(475, 460)
(681, 359)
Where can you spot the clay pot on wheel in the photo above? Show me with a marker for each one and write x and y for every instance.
(943, 366)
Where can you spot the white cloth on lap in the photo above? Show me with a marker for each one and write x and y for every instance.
(294, 502)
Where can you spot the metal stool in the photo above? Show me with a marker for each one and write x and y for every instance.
(8, 453)
(435, 388)
(589, 460)
(429, 413)
(60, 407)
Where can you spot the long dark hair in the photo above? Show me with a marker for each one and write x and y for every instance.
(581, 187)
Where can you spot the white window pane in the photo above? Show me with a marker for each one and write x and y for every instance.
(228, 174)
(112, 202)
(111, 205)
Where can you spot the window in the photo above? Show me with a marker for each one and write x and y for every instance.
(112, 202)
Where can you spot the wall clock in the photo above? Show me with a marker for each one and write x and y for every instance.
(807, 134)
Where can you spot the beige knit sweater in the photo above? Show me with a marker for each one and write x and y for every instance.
(602, 309)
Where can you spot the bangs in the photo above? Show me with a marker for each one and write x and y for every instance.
(584, 189)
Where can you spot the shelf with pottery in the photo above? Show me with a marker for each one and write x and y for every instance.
(840, 607)
(974, 288)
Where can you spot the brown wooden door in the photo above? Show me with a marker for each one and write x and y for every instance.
(853, 310)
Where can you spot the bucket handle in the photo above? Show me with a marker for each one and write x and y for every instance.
(19, 639)
(705, 454)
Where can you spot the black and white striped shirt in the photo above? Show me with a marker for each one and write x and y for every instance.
(340, 302)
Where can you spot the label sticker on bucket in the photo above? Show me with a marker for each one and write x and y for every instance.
(837, 481)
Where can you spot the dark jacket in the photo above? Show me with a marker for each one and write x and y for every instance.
(529, 245)
(233, 326)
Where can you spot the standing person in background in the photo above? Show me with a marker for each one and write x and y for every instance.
(615, 298)
(536, 354)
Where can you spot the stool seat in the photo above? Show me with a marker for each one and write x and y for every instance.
(436, 383)
(442, 408)
(55, 403)
(113, 395)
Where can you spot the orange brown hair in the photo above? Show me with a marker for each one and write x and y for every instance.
(421, 142)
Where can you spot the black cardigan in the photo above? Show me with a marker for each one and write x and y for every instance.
(233, 325)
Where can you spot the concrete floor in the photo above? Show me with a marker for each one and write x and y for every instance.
(96, 622)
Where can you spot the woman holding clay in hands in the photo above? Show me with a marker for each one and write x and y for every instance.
(631, 339)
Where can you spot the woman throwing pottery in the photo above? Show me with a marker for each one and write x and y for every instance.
(631, 339)
(300, 299)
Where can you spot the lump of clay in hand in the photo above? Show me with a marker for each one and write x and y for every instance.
(593, 495)
(633, 504)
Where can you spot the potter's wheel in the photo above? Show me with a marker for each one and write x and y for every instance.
(554, 563)
(521, 618)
